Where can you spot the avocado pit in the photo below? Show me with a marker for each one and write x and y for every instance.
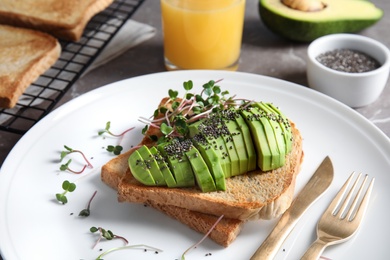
(305, 5)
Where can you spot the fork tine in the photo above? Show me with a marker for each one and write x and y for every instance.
(363, 205)
(348, 198)
(334, 206)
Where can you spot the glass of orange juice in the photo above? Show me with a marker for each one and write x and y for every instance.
(202, 34)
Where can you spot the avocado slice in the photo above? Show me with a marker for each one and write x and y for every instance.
(236, 137)
(164, 168)
(212, 160)
(230, 147)
(202, 174)
(250, 148)
(140, 169)
(174, 153)
(337, 16)
(213, 136)
(269, 115)
(152, 165)
(270, 137)
(260, 132)
(285, 127)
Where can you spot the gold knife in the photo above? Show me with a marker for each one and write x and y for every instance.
(317, 185)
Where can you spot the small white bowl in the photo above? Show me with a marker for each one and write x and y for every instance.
(353, 89)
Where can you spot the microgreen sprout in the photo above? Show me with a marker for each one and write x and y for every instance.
(108, 131)
(174, 116)
(67, 187)
(117, 149)
(144, 247)
(107, 234)
(65, 166)
(87, 211)
(203, 238)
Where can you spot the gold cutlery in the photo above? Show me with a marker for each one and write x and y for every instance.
(340, 222)
(317, 185)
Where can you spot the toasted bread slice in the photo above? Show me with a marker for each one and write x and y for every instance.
(253, 195)
(64, 19)
(228, 228)
(24, 56)
(224, 233)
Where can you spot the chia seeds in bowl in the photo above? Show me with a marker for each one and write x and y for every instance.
(347, 60)
(350, 68)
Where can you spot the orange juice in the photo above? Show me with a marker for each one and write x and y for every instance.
(202, 34)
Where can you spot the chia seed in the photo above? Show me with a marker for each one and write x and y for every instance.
(347, 60)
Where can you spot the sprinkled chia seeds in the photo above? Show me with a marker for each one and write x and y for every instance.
(346, 60)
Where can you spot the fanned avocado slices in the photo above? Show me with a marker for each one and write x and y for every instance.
(225, 144)
(140, 169)
(212, 160)
(215, 139)
(174, 152)
(236, 140)
(264, 154)
(163, 167)
(272, 118)
(285, 127)
(250, 148)
(277, 156)
(152, 165)
(202, 174)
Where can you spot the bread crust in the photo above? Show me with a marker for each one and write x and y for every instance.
(201, 218)
(24, 56)
(248, 196)
(62, 19)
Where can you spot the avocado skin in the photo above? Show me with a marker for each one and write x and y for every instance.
(307, 31)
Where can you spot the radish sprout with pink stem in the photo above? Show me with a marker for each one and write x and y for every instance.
(176, 115)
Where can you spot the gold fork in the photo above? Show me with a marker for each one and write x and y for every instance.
(337, 224)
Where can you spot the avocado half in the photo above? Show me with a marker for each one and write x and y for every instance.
(338, 16)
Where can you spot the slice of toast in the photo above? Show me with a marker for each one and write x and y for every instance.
(64, 19)
(117, 175)
(224, 233)
(253, 195)
(24, 56)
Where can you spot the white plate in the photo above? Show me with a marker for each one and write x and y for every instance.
(34, 226)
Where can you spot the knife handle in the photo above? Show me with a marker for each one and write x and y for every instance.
(275, 239)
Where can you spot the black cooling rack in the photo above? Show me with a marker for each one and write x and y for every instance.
(41, 97)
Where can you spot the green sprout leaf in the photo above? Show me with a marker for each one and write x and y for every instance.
(173, 94)
(188, 85)
(67, 187)
(87, 211)
(107, 234)
(65, 166)
(145, 129)
(117, 149)
(166, 129)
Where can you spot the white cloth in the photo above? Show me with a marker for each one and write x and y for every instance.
(131, 34)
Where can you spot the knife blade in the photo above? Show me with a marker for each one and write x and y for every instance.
(316, 186)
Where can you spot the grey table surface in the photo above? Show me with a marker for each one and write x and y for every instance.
(263, 53)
